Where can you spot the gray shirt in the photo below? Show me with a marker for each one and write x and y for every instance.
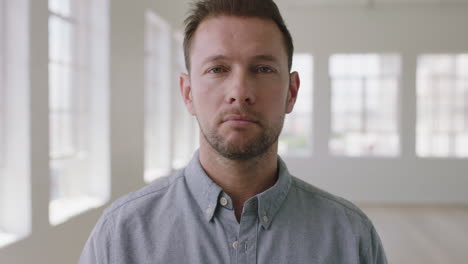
(187, 218)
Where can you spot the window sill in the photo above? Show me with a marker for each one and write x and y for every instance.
(61, 210)
(8, 238)
(152, 175)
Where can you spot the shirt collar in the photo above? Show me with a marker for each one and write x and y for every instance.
(206, 192)
(270, 201)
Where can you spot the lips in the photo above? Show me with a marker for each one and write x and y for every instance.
(239, 119)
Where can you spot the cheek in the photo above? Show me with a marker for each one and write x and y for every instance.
(207, 87)
(203, 91)
(275, 95)
(206, 103)
(276, 106)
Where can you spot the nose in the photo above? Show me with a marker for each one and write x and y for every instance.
(241, 89)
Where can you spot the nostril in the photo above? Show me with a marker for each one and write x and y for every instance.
(243, 99)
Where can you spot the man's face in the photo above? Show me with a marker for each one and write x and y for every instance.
(239, 86)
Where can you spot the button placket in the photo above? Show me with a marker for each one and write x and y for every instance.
(235, 244)
(247, 239)
(223, 201)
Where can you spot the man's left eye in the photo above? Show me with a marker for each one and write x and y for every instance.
(264, 69)
(217, 70)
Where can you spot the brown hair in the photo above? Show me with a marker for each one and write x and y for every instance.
(203, 9)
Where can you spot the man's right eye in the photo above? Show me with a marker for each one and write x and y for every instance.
(216, 70)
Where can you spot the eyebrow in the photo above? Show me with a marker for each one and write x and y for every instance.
(214, 58)
(266, 57)
(263, 57)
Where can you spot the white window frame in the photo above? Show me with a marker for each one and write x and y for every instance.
(80, 177)
(184, 126)
(15, 195)
(158, 97)
(436, 107)
(302, 109)
(362, 131)
(2, 84)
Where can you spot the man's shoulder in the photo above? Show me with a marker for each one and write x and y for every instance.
(146, 196)
(328, 201)
(332, 212)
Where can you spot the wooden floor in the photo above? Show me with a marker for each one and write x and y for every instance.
(422, 234)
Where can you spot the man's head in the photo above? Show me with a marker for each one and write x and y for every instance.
(204, 9)
(240, 86)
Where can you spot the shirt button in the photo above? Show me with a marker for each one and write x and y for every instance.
(223, 201)
(265, 218)
(208, 211)
(235, 244)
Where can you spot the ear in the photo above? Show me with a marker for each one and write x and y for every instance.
(294, 83)
(186, 92)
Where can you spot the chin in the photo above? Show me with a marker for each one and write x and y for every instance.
(242, 150)
(240, 145)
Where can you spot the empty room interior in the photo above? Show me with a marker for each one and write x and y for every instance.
(91, 110)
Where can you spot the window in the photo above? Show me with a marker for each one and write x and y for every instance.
(2, 83)
(78, 92)
(184, 126)
(442, 105)
(296, 135)
(364, 104)
(4, 235)
(157, 97)
(15, 199)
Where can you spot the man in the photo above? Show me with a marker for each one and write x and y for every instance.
(235, 202)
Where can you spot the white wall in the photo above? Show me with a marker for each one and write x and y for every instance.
(63, 243)
(320, 32)
(409, 31)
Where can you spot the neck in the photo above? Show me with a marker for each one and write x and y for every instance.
(240, 179)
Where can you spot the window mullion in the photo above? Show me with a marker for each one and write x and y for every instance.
(453, 109)
(364, 86)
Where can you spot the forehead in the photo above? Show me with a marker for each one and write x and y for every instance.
(237, 37)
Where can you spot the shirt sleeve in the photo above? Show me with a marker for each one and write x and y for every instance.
(375, 253)
(97, 249)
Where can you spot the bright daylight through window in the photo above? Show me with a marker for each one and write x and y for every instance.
(157, 97)
(365, 104)
(296, 135)
(184, 126)
(2, 85)
(78, 70)
(4, 234)
(15, 199)
(442, 99)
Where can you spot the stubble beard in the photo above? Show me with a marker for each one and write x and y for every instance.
(254, 148)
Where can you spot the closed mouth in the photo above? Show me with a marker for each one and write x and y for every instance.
(239, 119)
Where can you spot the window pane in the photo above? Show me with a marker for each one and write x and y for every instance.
(15, 200)
(157, 98)
(61, 99)
(61, 7)
(296, 134)
(359, 65)
(347, 104)
(461, 145)
(364, 104)
(184, 126)
(442, 93)
(2, 86)
(381, 100)
(78, 106)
